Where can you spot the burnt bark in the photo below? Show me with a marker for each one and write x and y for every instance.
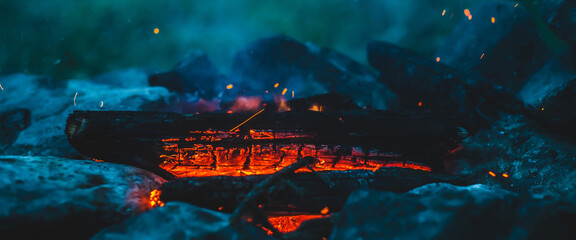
(300, 193)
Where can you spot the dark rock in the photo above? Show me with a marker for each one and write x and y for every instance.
(307, 70)
(560, 15)
(324, 102)
(11, 124)
(423, 84)
(505, 52)
(55, 198)
(178, 220)
(551, 94)
(50, 106)
(195, 74)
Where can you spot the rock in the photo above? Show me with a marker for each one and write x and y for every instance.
(56, 198)
(307, 70)
(11, 124)
(178, 220)
(50, 105)
(423, 84)
(195, 74)
(443, 211)
(560, 15)
(126, 78)
(506, 52)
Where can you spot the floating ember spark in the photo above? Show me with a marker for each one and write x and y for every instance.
(1, 87)
(284, 91)
(276, 85)
(492, 174)
(467, 13)
(482, 56)
(292, 94)
(542, 109)
(419, 104)
(493, 20)
(155, 198)
(101, 103)
(316, 108)
(516, 5)
(75, 98)
(324, 210)
(156, 30)
(443, 12)
(231, 130)
(505, 175)
(230, 86)
(437, 59)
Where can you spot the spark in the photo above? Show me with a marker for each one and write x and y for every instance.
(1, 87)
(230, 86)
(75, 98)
(324, 210)
(231, 130)
(101, 103)
(470, 17)
(276, 85)
(156, 30)
(419, 104)
(220, 208)
(482, 56)
(516, 5)
(437, 59)
(284, 91)
(292, 94)
(492, 174)
(505, 175)
(542, 109)
(493, 20)
(467, 13)
(443, 12)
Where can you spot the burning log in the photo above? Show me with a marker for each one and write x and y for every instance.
(212, 144)
(301, 193)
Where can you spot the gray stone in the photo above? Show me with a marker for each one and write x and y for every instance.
(506, 52)
(178, 220)
(50, 105)
(47, 197)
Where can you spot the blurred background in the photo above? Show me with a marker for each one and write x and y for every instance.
(76, 39)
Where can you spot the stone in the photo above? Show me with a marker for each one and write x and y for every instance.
(178, 220)
(307, 70)
(423, 84)
(11, 124)
(57, 198)
(50, 105)
(506, 52)
(560, 15)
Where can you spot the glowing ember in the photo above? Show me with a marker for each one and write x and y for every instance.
(419, 104)
(155, 198)
(284, 91)
(516, 5)
(75, 98)
(443, 12)
(324, 210)
(156, 30)
(1, 87)
(276, 85)
(230, 86)
(505, 175)
(492, 174)
(482, 56)
(286, 224)
(101, 103)
(493, 20)
(246, 104)
(466, 12)
(316, 108)
(542, 109)
(437, 59)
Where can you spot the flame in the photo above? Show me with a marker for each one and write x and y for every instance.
(286, 224)
(155, 198)
(316, 108)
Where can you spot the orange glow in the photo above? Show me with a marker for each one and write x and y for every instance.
(155, 198)
(482, 56)
(492, 174)
(325, 210)
(437, 59)
(229, 112)
(246, 104)
(284, 91)
(292, 94)
(1, 87)
(470, 17)
(156, 30)
(443, 12)
(230, 86)
(493, 20)
(315, 108)
(542, 109)
(505, 175)
(466, 12)
(286, 224)
(101, 103)
(516, 5)
(276, 85)
(419, 104)
(232, 130)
